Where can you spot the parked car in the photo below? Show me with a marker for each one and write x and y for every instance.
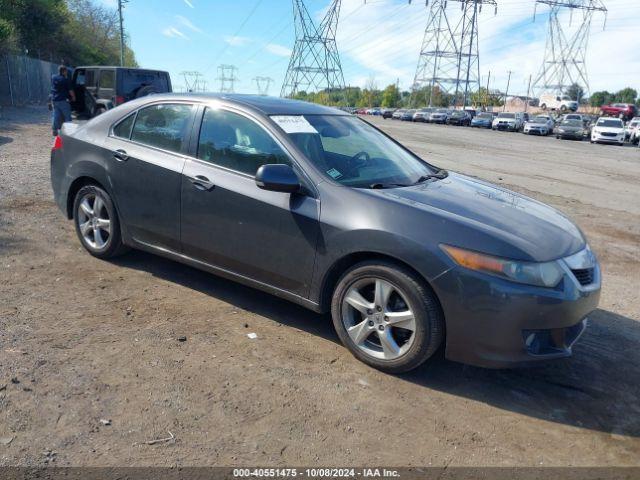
(508, 121)
(441, 115)
(472, 112)
(608, 130)
(624, 111)
(361, 111)
(552, 101)
(422, 115)
(98, 89)
(387, 112)
(633, 130)
(398, 113)
(482, 120)
(242, 187)
(539, 125)
(460, 118)
(407, 116)
(570, 129)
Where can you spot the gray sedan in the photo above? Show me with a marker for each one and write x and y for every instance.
(318, 207)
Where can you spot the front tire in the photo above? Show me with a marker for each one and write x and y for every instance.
(386, 316)
(97, 224)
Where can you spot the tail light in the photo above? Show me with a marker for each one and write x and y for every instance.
(57, 143)
(119, 100)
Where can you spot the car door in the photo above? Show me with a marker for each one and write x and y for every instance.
(228, 222)
(145, 157)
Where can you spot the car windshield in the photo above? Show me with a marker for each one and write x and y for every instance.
(507, 115)
(442, 110)
(457, 114)
(352, 152)
(613, 123)
(572, 123)
(485, 116)
(540, 120)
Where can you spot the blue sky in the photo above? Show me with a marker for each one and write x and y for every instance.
(380, 40)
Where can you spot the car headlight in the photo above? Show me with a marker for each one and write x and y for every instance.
(546, 274)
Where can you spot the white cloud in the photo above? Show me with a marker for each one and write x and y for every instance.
(173, 32)
(236, 41)
(189, 4)
(187, 23)
(279, 50)
(384, 39)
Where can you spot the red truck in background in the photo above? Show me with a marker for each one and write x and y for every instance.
(624, 111)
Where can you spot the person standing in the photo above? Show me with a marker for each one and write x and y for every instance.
(61, 94)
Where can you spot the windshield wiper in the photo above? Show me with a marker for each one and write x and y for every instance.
(388, 185)
(439, 175)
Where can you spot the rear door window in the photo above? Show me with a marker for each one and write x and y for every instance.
(164, 126)
(107, 78)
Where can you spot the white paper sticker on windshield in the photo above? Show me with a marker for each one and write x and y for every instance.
(294, 124)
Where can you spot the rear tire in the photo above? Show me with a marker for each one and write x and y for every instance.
(386, 316)
(97, 224)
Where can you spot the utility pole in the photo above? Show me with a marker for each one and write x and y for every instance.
(263, 84)
(315, 62)
(486, 95)
(120, 7)
(565, 55)
(526, 105)
(227, 77)
(506, 93)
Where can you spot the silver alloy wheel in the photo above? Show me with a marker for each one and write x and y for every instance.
(93, 221)
(378, 318)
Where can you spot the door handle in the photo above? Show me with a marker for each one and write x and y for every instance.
(201, 182)
(120, 155)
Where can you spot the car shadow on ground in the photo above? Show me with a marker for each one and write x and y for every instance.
(598, 388)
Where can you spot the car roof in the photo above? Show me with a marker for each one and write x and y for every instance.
(263, 104)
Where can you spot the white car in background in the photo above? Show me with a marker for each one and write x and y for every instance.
(539, 125)
(551, 101)
(508, 121)
(633, 130)
(608, 130)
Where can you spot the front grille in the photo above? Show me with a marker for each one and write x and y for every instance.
(609, 134)
(584, 275)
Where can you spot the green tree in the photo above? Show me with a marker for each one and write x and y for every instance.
(390, 96)
(626, 95)
(600, 98)
(575, 92)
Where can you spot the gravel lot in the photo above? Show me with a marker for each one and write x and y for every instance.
(82, 340)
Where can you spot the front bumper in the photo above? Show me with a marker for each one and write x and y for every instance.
(495, 323)
(506, 127)
(536, 130)
(598, 137)
(571, 135)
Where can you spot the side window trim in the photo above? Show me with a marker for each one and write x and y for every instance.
(133, 114)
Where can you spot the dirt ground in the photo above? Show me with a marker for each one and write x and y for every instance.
(83, 340)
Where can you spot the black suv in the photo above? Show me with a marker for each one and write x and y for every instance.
(99, 89)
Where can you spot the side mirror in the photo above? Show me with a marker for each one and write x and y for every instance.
(277, 178)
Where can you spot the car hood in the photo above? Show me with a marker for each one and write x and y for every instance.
(609, 129)
(537, 124)
(482, 120)
(535, 230)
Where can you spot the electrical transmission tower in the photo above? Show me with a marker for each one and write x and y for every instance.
(315, 62)
(193, 81)
(263, 84)
(565, 54)
(227, 78)
(449, 56)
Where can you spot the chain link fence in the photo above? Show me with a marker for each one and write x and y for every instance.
(24, 80)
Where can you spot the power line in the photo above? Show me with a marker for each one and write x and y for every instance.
(227, 78)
